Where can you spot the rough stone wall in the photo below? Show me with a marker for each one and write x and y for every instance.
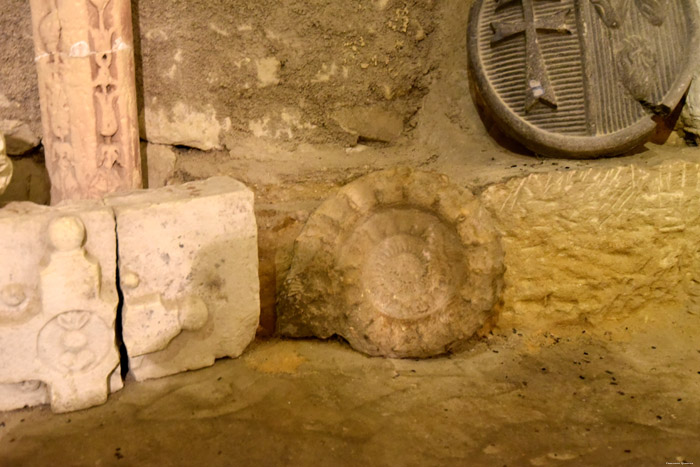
(20, 116)
(289, 71)
(301, 70)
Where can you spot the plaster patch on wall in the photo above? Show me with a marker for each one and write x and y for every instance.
(182, 125)
(156, 35)
(5, 102)
(380, 4)
(218, 30)
(268, 71)
(282, 126)
(326, 73)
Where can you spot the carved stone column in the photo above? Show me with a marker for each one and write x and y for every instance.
(85, 62)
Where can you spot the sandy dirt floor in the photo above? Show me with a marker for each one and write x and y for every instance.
(627, 393)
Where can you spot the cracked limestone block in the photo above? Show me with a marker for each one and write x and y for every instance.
(598, 244)
(401, 263)
(188, 264)
(5, 166)
(58, 304)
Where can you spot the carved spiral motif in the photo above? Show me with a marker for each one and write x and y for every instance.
(400, 263)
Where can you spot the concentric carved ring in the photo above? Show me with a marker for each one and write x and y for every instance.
(400, 263)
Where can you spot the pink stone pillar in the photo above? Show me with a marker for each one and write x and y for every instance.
(85, 62)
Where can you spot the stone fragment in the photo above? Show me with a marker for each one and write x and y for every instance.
(581, 79)
(188, 263)
(268, 71)
(30, 182)
(19, 137)
(58, 304)
(400, 263)
(370, 123)
(160, 160)
(5, 166)
(691, 111)
(85, 65)
(183, 126)
(598, 244)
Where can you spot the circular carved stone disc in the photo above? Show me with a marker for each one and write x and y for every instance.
(581, 78)
(400, 263)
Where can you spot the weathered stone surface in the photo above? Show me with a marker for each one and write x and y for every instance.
(5, 166)
(371, 123)
(85, 65)
(30, 182)
(188, 265)
(596, 244)
(691, 111)
(160, 161)
(400, 263)
(58, 303)
(20, 115)
(19, 136)
(183, 126)
(581, 79)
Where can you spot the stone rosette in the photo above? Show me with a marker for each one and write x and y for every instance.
(401, 263)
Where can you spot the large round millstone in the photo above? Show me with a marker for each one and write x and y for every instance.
(400, 263)
(581, 78)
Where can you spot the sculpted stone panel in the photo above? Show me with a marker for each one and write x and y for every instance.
(58, 304)
(188, 264)
(599, 243)
(400, 263)
(85, 65)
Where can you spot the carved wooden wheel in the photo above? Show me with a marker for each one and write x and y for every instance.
(400, 263)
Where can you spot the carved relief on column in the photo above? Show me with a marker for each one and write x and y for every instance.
(88, 99)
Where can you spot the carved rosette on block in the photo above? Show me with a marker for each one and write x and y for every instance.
(188, 265)
(58, 303)
(400, 263)
(5, 166)
(85, 64)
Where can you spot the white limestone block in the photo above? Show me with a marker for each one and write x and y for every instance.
(188, 262)
(58, 304)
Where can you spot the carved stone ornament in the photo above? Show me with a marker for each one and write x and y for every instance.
(400, 263)
(58, 304)
(192, 294)
(87, 89)
(581, 78)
